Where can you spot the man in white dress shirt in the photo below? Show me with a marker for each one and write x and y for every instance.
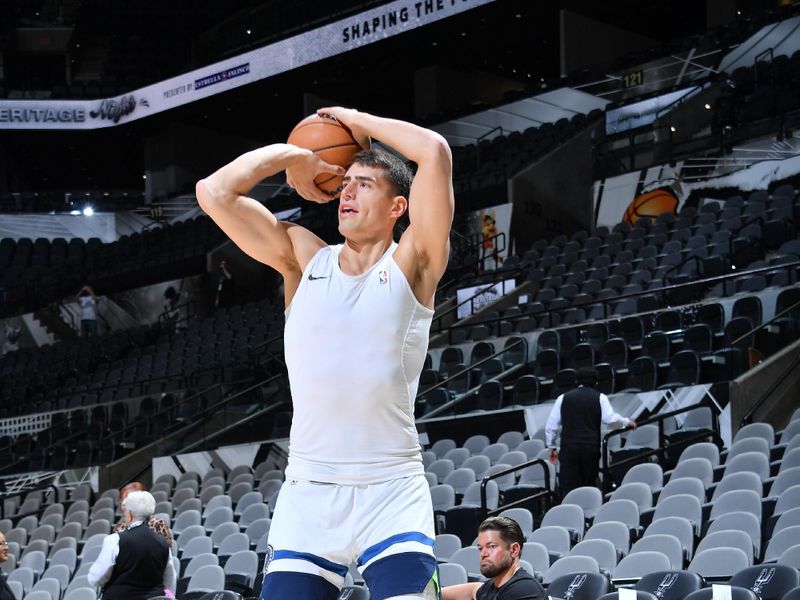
(134, 564)
(578, 415)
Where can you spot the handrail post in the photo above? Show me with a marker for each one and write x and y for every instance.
(484, 508)
(479, 139)
(663, 447)
(605, 470)
(484, 501)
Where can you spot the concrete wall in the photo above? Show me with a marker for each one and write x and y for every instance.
(553, 195)
(746, 391)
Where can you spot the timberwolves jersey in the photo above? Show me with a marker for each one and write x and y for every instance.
(355, 346)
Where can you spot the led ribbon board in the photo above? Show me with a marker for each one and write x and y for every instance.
(303, 49)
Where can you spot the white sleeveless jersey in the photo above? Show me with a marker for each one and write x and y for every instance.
(355, 346)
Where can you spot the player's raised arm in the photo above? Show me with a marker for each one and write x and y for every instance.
(251, 226)
(431, 202)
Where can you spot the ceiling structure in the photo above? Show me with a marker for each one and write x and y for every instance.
(513, 40)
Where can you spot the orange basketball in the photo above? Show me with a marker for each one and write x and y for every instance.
(331, 141)
(650, 204)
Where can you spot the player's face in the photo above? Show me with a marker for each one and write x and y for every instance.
(366, 203)
(496, 555)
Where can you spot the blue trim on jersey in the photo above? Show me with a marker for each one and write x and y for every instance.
(280, 585)
(407, 573)
(409, 536)
(322, 563)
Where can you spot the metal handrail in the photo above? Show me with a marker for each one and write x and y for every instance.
(479, 139)
(190, 313)
(160, 414)
(661, 291)
(744, 336)
(748, 416)
(677, 268)
(165, 378)
(452, 403)
(663, 447)
(59, 303)
(255, 351)
(469, 246)
(757, 59)
(258, 414)
(215, 408)
(25, 492)
(485, 512)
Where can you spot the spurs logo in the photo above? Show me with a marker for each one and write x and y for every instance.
(764, 577)
(666, 583)
(574, 586)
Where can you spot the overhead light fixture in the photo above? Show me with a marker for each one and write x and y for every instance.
(707, 105)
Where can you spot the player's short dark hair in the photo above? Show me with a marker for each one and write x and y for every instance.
(587, 376)
(396, 171)
(509, 530)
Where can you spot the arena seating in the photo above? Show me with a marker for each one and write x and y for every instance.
(102, 393)
(491, 162)
(37, 272)
(719, 544)
(218, 519)
(222, 519)
(656, 305)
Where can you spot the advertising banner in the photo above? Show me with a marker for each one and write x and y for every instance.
(324, 42)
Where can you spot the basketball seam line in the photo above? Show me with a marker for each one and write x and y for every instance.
(328, 123)
(315, 150)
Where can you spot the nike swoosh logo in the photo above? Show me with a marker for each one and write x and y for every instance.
(312, 278)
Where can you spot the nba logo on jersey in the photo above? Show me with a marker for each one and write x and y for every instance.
(383, 276)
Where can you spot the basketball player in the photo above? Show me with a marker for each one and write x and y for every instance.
(357, 322)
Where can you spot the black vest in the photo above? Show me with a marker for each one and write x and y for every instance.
(580, 418)
(5, 590)
(139, 569)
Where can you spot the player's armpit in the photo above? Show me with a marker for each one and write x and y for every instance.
(431, 205)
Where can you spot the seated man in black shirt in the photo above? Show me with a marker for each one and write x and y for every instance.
(500, 542)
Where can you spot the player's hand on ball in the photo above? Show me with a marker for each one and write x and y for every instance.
(300, 176)
(349, 118)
